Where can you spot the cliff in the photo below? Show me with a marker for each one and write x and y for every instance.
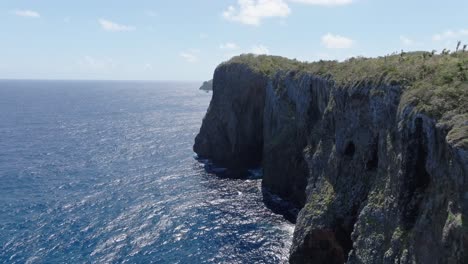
(374, 151)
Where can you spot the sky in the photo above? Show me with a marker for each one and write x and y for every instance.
(186, 40)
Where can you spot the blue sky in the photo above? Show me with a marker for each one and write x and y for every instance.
(186, 40)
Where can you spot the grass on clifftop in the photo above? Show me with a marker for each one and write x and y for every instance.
(435, 84)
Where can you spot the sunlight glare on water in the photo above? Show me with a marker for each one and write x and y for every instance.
(104, 172)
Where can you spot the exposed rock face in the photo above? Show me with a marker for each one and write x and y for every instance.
(231, 133)
(385, 186)
(378, 180)
(293, 106)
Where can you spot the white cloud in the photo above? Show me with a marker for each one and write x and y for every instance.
(324, 2)
(190, 55)
(406, 41)
(114, 27)
(331, 41)
(260, 49)
(229, 46)
(449, 34)
(27, 13)
(251, 12)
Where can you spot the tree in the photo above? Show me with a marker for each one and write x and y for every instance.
(458, 46)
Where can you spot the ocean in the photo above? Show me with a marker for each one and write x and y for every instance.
(104, 172)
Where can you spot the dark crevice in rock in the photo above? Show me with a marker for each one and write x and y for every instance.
(344, 229)
(373, 162)
(314, 114)
(328, 245)
(416, 178)
(343, 236)
(320, 247)
(350, 149)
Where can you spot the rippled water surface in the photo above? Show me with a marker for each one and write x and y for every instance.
(96, 172)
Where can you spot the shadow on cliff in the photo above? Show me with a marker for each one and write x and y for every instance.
(280, 206)
(222, 172)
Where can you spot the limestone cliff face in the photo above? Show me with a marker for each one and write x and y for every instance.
(231, 133)
(385, 186)
(378, 181)
(293, 107)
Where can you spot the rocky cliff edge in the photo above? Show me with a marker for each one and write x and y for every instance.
(374, 151)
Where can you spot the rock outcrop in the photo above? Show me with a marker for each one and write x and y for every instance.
(378, 163)
(231, 133)
(207, 86)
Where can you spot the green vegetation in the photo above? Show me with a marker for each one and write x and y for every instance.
(266, 64)
(458, 135)
(434, 84)
(321, 201)
(457, 220)
(398, 233)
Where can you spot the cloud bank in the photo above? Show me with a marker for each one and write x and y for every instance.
(331, 41)
(27, 13)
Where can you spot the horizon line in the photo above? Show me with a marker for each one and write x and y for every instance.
(100, 80)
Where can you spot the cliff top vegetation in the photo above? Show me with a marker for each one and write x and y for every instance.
(435, 84)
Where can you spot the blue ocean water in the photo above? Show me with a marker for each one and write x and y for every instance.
(103, 172)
